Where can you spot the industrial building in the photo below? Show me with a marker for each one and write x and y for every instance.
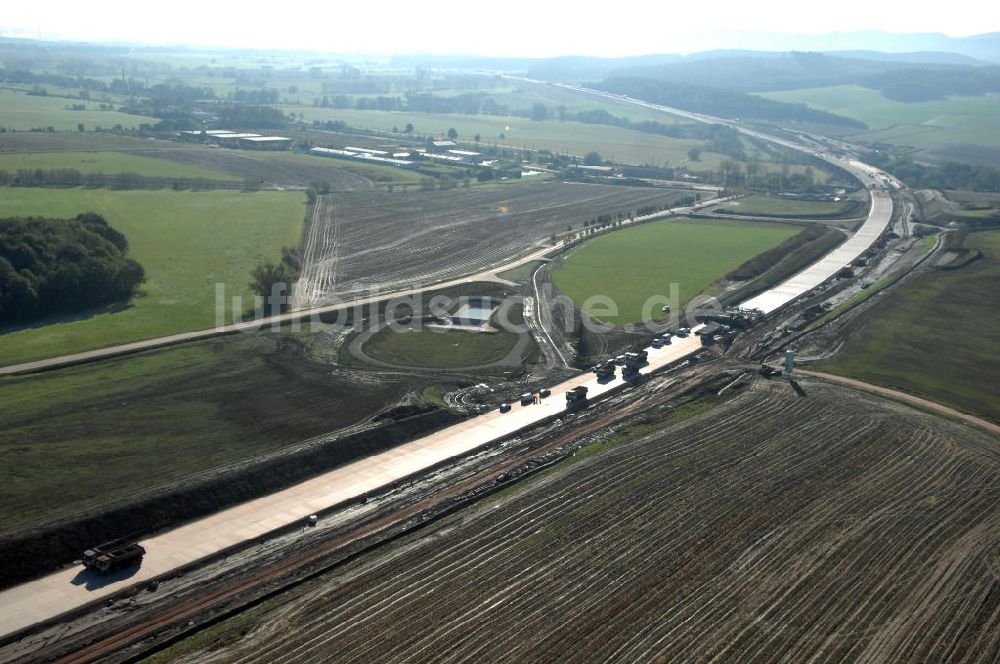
(265, 143)
(232, 139)
(362, 156)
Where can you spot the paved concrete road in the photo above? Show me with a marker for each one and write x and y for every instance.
(48, 597)
(798, 284)
(879, 214)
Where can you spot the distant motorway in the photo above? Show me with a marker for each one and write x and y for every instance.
(879, 216)
(873, 179)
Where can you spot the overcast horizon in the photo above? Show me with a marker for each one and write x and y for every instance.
(516, 29)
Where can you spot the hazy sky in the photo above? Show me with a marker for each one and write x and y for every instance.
(506, 27)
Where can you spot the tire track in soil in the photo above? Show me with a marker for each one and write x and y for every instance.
(772, 529)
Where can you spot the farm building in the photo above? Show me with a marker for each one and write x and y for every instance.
(465, 155)
(349, 154)
(381, 153)
(444, 157)
(265, 143)
(229, 139)
(206, 134)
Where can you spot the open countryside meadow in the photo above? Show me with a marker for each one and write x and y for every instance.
(898, 343)
(635, 264)
(24, 112)
(177, 412)
(574, 138)
(187, 242)
(110, 162)
(927, 124)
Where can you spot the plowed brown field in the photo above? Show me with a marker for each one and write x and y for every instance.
(363, 239)
(774, 528)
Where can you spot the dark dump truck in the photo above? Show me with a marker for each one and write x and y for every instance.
(576, 398)
(636, 360)
(113, 556)
(606, 370)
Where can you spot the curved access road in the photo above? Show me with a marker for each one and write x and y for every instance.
(259, 324)
(489, 274)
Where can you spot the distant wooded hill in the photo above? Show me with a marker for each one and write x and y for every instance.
(716, 101)
(763, 72)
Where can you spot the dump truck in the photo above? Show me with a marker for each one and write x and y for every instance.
(577, 397)
(605, 370)
(636, 360)
(112, 556)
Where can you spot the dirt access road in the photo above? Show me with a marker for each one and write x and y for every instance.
(909, 398)
(488, 274)
(361, 241)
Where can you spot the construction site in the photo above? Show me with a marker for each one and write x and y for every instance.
(694, 488)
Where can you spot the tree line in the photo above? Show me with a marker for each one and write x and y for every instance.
(57, 266)
(947, 175)
(70, 177)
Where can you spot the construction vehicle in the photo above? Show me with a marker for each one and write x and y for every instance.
(113, 556)
(577, 398)
(636, 360)
(605, 370)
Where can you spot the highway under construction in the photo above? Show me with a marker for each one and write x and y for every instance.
(41, 604)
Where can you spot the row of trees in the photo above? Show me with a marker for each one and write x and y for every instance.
(70, 177)
(55, 266)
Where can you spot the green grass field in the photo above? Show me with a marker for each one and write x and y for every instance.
(632, 265)
(784, 207)
(84, 435)
(22, 112)
(936, 336)
(187, 241)
(451, 349)
(577, 138)
(107, 162)
(930, 124)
